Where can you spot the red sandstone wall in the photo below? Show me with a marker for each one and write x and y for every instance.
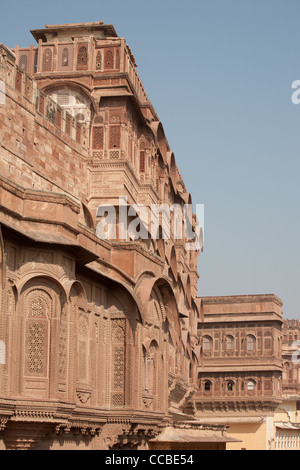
(36, 153)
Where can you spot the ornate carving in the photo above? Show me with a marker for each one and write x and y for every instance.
(98, 136)
(118, 365)
(109, 59)
(47, 60)
(79, 427)
(82, 58)
(98, 61)
(114, 137)
(3, 422)
(83, 395)
(136, 436)
(37, 337)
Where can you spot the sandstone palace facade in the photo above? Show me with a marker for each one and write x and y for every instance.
(104, 343)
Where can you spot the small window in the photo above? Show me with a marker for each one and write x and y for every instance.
(65, 57)
(142, 162)
(98, 61)
(207, 386)
(229, 343)
(23, 62)
(207, 343)
(47, 60)
(230, 386)
(251, 385)
(250, 343)
(82, 58)
(268, 342)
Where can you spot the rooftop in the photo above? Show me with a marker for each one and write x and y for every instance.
(97, 28)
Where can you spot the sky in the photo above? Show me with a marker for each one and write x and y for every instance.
(219, 74)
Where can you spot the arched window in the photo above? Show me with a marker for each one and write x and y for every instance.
(82, 58)
(250, 385)
(98, 61)
(73, 101)
(207, 343)
(207, 386)
(229, 343)
(250, 343)
(47, 60)
(109, 60)
(23, 62)
(65, 57)
(80, 117)
(230, 386)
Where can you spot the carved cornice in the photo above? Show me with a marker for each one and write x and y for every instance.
(84, 428)
(136, 436)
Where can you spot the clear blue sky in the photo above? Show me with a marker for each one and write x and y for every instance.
(219, 74)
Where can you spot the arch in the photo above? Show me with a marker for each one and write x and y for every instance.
(82, 57)
(186, 197)
(41, 304)
(250, 385)
(208, 386)
(88, 218)
(207, 344)
(250, 343)
(79, 290)
(171, 163)
(160, 244)
(172, 169)
(153, 345)
(80, 117)
(186, 283)
(172, 259)
(168, 298)
(65, 57)
(156, 308)
(230, 385)
(144, 275)
(160, 139)
(22, 285)
(79, 87)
